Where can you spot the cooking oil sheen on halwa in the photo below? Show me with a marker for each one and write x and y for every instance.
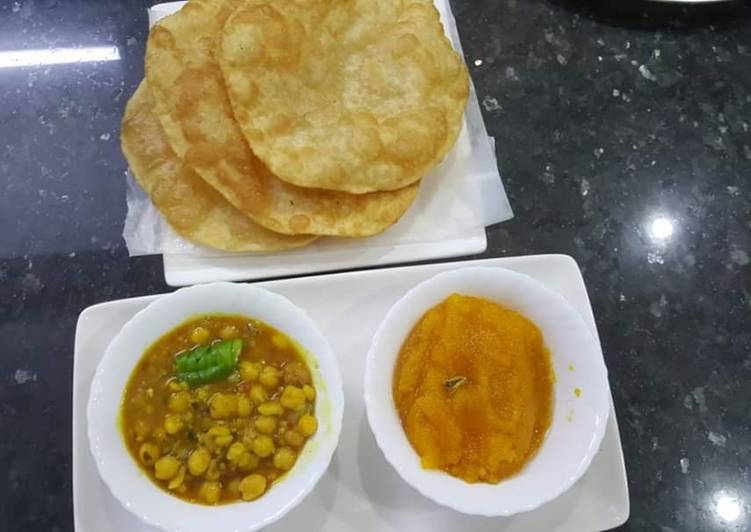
(473, 386)
(218, 409)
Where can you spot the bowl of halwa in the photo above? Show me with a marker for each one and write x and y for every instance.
(217, 407)
(486, 392)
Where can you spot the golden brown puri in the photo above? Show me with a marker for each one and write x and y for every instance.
(193, 107)
(193, 208)
(350, 95)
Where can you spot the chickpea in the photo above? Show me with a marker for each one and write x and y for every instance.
(179, 402)
(309, 391)
(279, 341)
(269, 377)
(176, 385)
(148, 453)
(271, 408)
(177, 480)
(265, 424)
(172, 424)
(213, 472)
(202, 393)
(248, 461)
(296, 373)
(257, 394)
(252, 487)
(263, 446)
(223, 406)
(294, 438)
(249, 371)
(223, 441)
(235, 452)
(222, 435)
(229, 332)
(284, 459)
(210, 491)
(248, 435)
(166, 467)
(198, 461)
(219, 430)
(293, 398)
(244, 406)
(234, 488)
(199, 335)
(308, 425)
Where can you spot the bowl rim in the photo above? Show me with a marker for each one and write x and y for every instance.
(320, 455)
(424, 480)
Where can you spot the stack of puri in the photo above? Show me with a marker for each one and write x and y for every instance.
(263, 125)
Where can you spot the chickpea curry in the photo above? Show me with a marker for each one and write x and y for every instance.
(218, 409)
(473, 386)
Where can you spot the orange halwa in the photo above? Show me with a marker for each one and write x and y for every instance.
(474, 389)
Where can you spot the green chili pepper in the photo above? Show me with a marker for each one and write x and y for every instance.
(208, 363)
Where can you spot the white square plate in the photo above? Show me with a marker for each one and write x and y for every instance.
(184, 270)
(360, 491)
(457, 200)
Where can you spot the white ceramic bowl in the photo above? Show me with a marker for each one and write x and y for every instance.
(578, 423)
(120, 472)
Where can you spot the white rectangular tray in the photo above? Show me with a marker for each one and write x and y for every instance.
(360, 491)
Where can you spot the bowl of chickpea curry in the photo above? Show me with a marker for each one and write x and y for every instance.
(217, 407)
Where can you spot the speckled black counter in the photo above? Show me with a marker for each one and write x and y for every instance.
(623, 140)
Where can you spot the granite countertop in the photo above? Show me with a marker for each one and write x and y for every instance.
(623, 140)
